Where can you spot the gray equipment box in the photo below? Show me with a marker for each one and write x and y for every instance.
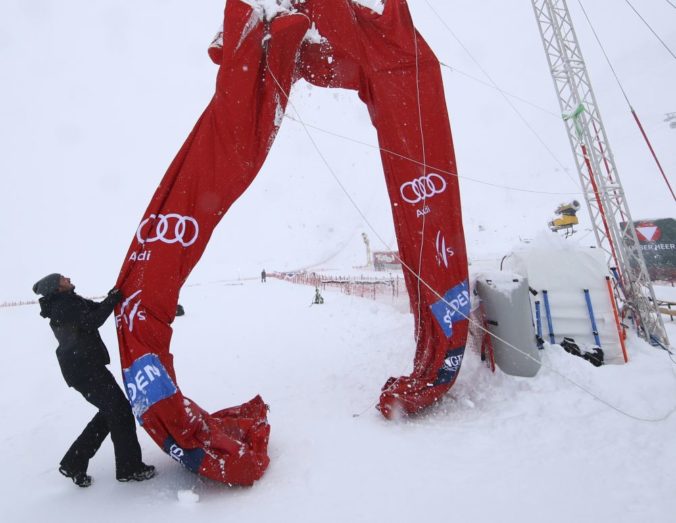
(508, 314)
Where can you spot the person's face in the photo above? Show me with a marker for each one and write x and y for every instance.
(65, 285)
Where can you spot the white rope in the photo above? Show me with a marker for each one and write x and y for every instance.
(511, 104)
(507, 93)
(573, 382)
(549, 367)
(423, 282)
(424, 155)
(664, 44)
(437, 169)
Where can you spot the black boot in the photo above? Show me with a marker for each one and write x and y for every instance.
(141, 474)
(81, 479)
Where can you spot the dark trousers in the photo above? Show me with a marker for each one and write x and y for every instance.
(114, 417)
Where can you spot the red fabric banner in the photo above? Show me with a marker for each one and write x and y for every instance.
(398, 77)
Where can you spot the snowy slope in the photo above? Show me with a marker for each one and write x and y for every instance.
(96, 99)
(497, 449)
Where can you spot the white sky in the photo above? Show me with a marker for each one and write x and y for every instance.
(96, 99)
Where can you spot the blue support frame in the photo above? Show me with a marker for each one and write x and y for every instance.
(548, 313)
(590, 309)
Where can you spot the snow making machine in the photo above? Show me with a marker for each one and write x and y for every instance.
(567, 218)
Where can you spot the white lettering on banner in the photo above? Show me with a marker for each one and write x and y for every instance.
(659, 247)
(176, 452)
(443, 252)
(132, 392)
(425, 211)
(140, 256)
(151, 371)
(456, 305)
(181, 233)
(422, 188)
(142, 379)
(452, 363)
(135, 312)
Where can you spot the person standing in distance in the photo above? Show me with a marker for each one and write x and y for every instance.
(83, 357)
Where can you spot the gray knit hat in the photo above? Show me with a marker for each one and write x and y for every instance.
(47, 285)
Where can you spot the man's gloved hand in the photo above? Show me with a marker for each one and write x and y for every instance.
(116, 295)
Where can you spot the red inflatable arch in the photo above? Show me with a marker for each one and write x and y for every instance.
(260, 54)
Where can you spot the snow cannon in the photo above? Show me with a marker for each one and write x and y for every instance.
(567, 218)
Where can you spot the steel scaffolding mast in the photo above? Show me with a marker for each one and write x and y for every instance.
(605, 198)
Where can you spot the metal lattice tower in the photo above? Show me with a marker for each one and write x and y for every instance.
(605, 198)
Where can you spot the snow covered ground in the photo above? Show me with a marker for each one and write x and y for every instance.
(96, 99)
(497, 449)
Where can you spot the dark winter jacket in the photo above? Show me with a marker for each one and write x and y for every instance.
(75, 322)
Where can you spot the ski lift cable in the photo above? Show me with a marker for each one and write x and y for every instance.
(507, 93)
(631, 107)
(441, 171)
(437, 294)
(671, 4)
(511, 104)
(651, 29)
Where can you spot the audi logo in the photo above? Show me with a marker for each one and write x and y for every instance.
(421, 188)
(171, 228)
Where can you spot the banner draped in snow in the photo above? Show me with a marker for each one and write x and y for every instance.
(329, 43)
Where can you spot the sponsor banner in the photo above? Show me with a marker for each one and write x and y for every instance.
(454, 307)
(383, 260)
(421, 213)
(422, 188)
(147, 382)
(142, 255)
(444, 253)
(189, 458)
(658, 244)
(130, 312)
(169, 228)
(449, 370)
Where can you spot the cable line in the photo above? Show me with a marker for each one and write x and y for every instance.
(631, 107)
(651, 29)
(511, 104)
(428, 286)
(439, 170)
(516, 97)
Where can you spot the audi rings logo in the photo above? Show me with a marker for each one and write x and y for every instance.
(421, 188)
(171, 228)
